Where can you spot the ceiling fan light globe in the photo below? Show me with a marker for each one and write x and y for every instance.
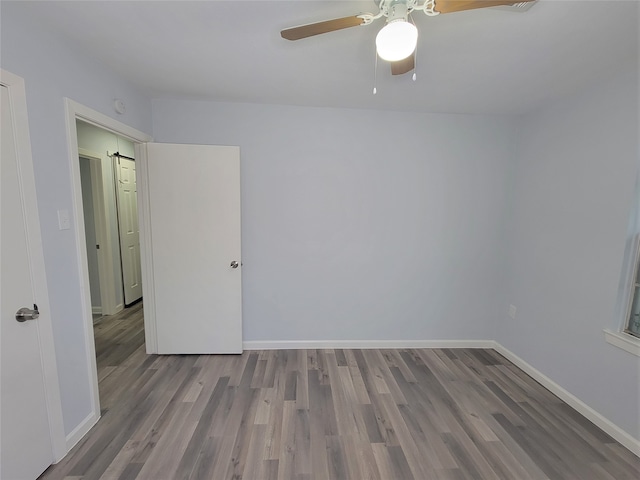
(396, 40)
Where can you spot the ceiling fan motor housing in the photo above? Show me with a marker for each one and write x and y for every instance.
(397, 10)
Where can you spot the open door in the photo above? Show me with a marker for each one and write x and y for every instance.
(194, 202)
(30, 412)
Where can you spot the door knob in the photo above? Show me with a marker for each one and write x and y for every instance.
(234, 264)
(25, 313)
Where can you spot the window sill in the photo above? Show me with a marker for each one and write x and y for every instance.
(624, 341)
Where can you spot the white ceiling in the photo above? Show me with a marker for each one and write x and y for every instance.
(482, 61)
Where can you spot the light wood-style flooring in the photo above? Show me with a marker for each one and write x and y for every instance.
(329, 414)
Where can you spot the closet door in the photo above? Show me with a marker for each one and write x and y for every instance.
(127, 203)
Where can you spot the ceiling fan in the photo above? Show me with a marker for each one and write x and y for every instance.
(396, 41)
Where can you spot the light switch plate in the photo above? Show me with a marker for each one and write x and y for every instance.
(64, 222)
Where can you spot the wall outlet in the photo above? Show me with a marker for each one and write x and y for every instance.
(512, 311)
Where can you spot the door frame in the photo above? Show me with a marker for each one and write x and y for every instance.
(76, 111)
(100, 213)
(18, 100)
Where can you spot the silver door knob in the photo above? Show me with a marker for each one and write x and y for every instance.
(234, 264)
(25, 313)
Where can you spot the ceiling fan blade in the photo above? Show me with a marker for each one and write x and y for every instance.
(448, 6)
(304, 31)
(404, 66)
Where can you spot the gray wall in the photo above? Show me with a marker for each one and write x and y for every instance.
(53, 70)
(572, 193)
(360, 225)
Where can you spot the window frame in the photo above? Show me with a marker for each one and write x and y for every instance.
(621, 336)
(634, 288)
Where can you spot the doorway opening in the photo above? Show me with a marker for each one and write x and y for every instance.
(110, 213)
(109, 201)
(218, 278)
(110, 300)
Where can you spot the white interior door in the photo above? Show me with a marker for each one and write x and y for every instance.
(127, 203)
(91, 237)
(25, 441)
(194, 198)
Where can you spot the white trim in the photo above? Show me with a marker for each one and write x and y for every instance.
(622, 340)
(362, 344)
(582, 408)
(81, 430)
(105, 122)
(75, 111)
(81, 253)
(18, 99)
(96, 310)
(146, 258)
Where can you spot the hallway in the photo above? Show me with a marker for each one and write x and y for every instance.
(119, 342)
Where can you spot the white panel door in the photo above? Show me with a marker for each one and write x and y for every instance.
(127, 202)
(25, 441)
(194, 198)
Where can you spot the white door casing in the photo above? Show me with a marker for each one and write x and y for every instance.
(32, 432)
(76, 111)
(194, 202)
(127, 203)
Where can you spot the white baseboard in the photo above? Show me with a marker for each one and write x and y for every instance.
(585, 410)
(114, 310)
(96, 310)
(364, 344)
(81, 430)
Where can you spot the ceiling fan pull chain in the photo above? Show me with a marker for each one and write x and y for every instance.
(415, 54)
(375, 73)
